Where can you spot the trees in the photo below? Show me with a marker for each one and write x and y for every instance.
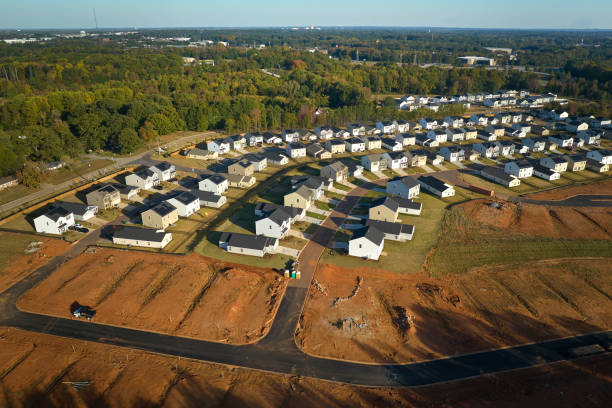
(30, 175)
(128, 141)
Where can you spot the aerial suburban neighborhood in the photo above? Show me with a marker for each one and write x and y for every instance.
(305, 215)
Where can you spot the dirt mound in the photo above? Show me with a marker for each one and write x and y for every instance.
(553, 222)
(185, 295)
(403, 318)
(602, 187)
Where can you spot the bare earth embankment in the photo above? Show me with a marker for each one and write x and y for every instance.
(190, 296)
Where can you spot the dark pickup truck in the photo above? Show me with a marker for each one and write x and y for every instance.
(84, 312)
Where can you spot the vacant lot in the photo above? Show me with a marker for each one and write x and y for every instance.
(602, 187)
(16, 261)
(474, 235)
(377, 316)
(113, 377)
(184, 295)
(554, 222)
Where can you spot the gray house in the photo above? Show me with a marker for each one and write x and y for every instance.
(405, 187)
(392, 230)
(245, 244)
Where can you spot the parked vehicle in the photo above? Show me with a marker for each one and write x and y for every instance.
(84, 312)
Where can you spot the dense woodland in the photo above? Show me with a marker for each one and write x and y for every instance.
(68, 97)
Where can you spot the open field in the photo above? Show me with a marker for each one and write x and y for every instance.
(602, 187)
(184, 295)
(76, 170)
(475, 235)
(14, 193)
(402, 318)
(15, 263)
(115, 378)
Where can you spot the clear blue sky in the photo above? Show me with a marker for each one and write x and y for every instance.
(568, 14)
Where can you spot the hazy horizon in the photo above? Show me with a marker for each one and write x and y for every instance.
(470, 14)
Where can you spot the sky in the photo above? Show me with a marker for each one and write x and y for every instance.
(557, 14)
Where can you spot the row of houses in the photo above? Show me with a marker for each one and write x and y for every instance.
(382, 221)
(548, 168)
(274, 221)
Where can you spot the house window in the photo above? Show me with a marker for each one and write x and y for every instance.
(359, 246)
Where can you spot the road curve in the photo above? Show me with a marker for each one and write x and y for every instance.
(277, 351)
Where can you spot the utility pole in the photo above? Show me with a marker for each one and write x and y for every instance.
(95, 18)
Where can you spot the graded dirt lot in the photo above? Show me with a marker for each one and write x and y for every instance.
(46, 371)
(190, 296)
(539, 220)
(403, 318)
(602, 187)
(17, 261)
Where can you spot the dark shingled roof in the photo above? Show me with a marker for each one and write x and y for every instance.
(394, 228)
(140, 234)
(163, 208)
(279, 216)
(371, 233)
(206, 196)
(387, 202)
(185, 197)
(162, 166)
(433, 182)
(268, 208)
(256, 242)
(214, 178)
(56, 212)
(75, 208)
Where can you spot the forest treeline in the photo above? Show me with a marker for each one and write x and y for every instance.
(77, 96)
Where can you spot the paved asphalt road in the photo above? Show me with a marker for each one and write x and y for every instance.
(277, 352)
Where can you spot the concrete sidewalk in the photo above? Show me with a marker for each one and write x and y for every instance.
(287, 251)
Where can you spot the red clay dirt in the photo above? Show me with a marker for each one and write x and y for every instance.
(601, 187)
(184, 295)
(553, 222)
(21, 264)
(39, 370)
(404, 318)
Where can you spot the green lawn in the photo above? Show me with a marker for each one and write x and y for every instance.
(209, 247)
(341, 187)
(324, 206)
(404, 257)
(315, 215)
(13, 245)
(293, 242)
(369, 175)
(13, 193)
(76, 170)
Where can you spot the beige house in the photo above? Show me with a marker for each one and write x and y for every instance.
(104, 197)
(200, 154)
(384, 209)
(372, 142)
(160, 217)
(300, 198)
(336, 171)
(241, 168)
(238, 181)
(335, 146)
(374, 162)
